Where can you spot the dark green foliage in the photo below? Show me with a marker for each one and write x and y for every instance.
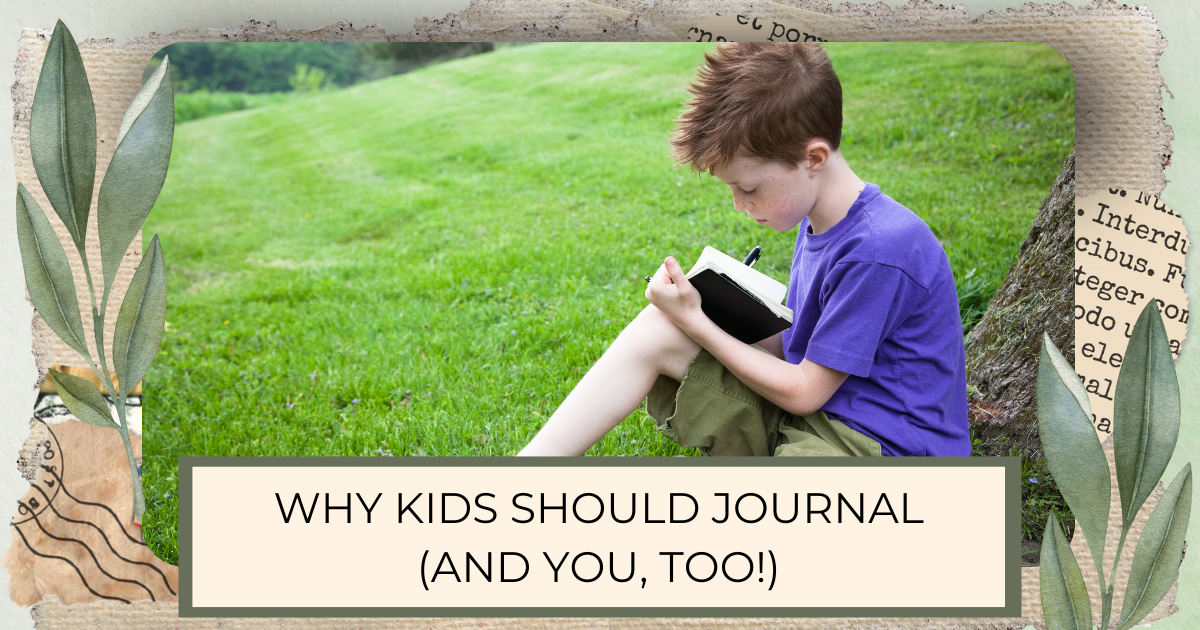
(83, 400)
(1075, 456)
(62, 134)
(48, 276)
(400, 57)
(1065, 600)
(139, 328)
(256, 67)
(259, 67)
(1160, 551)
(1148, 394)
(136, 172)
(63, 142)
(1145, 413)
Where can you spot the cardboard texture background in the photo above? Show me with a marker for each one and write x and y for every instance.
(1122, 141)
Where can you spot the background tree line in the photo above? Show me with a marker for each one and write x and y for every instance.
(260, 67)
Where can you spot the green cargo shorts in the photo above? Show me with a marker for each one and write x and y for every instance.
(715, 412)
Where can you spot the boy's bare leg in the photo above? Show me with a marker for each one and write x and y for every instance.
(649, 346)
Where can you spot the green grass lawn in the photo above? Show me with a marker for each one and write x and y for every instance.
(426, 264)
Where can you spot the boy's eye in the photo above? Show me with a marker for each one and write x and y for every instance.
(749, 192)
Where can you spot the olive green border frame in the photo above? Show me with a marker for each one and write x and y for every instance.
(1012, 536)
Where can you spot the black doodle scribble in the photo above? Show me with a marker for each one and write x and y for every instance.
(110, 546)
(49, 451)
(99, 505)
(44, 511)
(86, 548)
(68, 561)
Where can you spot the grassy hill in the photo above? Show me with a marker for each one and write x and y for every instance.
(426, 264)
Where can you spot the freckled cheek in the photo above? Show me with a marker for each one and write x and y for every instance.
(767, 208)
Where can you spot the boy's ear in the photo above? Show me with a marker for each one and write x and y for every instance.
(816, 154)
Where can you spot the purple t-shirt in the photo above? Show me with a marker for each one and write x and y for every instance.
(874, 297)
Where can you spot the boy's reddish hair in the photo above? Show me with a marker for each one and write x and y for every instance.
(766, 100)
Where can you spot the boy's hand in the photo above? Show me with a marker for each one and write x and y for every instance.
(671, 292)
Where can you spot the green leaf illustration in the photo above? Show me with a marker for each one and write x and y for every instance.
(47, 273)
(62, 134)
(83, 400)
(1159, 551)
(1073, 452)
(138, 168)
(1065, 602)
(1073, 383)
(139, 329)
(1145, 412)
(62, 139)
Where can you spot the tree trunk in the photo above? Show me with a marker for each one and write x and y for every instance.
(1037, 295)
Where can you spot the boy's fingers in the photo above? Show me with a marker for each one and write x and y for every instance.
(663, 274)
(675, 271)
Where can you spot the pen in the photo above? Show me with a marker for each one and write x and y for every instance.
(752, 257)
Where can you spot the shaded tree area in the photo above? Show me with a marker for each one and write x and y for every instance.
(258, 67)
(1036, 296)
(401, 57)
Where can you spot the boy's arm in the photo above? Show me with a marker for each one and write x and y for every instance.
(773, 344)
(799, 389)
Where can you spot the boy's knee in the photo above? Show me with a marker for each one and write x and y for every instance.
(656, 326)
(651, 316)
(664, 343)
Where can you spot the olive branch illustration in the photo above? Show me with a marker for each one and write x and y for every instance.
(62, 139)
(1145, 429)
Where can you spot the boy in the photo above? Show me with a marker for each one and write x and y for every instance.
(873, 363)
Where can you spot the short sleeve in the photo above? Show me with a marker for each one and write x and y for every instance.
(862, 303)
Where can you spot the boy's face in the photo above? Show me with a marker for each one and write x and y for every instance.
(773, 194)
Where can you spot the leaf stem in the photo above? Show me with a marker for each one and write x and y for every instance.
(1112, 580)
(98, 327)
(139, 501)
(118, 397)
